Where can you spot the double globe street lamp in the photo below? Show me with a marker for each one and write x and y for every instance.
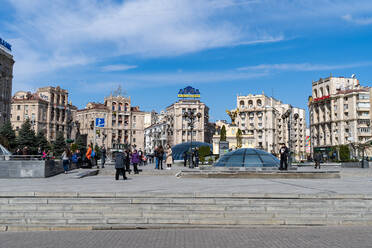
(190, 116)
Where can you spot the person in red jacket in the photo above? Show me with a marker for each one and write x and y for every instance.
(88, 155)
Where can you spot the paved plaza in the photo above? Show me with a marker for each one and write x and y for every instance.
(299, 237)
(353, 181)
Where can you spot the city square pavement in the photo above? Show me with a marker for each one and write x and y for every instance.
(353, 181)
(303, 237)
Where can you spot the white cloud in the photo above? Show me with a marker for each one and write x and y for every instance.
(135, 81)
(358, 21)
(302, 67)
(120, 67)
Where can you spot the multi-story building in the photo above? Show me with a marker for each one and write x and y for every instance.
(265, 125)
(124, 124)
(157, 133)
(47, 109)
(178, 130)
(340, 113)
(6, 77)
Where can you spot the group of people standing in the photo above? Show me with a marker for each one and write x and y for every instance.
(160, 154)
(194, 158)
(123, 159)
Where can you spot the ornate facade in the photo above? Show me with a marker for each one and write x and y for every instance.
(47, 109)
(6, 77)
(124, 124)
(264, 125)
(340, 112)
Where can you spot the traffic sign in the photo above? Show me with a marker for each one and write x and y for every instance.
(100, 122)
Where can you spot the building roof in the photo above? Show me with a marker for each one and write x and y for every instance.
(28, 97)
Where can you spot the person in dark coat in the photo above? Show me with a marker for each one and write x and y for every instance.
(184, 158)
(284, 151)
(317, 159)
(160, 156)
(127, 161)
(103, 156)
(196, 156)
(120, 165)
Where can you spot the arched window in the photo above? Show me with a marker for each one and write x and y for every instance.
(250, 103)
(120, 106)
(241, 104)
(315, 93)
(114, 106)
(321, 93)
(126, 105)
(327, 91)
(259, 102)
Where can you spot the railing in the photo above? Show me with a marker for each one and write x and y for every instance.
(22, 157)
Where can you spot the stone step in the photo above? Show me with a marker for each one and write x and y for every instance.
(108, 210)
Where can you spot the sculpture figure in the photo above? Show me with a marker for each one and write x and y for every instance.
(233, 114)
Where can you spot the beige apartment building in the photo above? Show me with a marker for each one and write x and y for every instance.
(124, 124)
(178, 130)
(6, 77)
(264, 125)
(47, 109)
(340, 112)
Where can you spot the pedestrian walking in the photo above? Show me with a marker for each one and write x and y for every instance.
(156, 158)
(169, 158)
(88, 156)
(140, 154)
(284, 151)
(103, 156)
(317, 159)
(66, 155)
(120, 165)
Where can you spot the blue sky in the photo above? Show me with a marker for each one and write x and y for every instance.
(152, 48)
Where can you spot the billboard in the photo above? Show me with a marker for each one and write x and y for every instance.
(189, 92)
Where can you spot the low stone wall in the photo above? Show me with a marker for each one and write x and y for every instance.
(30, 168)
(92, 211)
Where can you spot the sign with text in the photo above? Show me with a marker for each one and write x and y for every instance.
(189, 92)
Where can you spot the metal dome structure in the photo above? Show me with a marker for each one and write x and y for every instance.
(248, 157)
(178, 150)
(4, 151)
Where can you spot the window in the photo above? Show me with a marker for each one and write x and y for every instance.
(18, 107)
(18, 118)
(346, 106)
(259, 102)
(364, 105)
(363, 96)
(134, 118)
(134, 139)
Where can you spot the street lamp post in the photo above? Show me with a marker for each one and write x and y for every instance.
(288, 115)
(191, 117)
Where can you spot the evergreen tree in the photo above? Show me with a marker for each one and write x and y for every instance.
(8, 136)
(239, 138)
(80, 142)
(223, 134)
(42, 141)
(344, 153)
(26, 137)
(59, 144)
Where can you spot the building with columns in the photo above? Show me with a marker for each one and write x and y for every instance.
(47, 109)
(178, 128)
(6, 78)
(264, 124)
(124, 123)
(340, 113)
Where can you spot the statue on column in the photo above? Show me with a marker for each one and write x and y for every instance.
(233, 114)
